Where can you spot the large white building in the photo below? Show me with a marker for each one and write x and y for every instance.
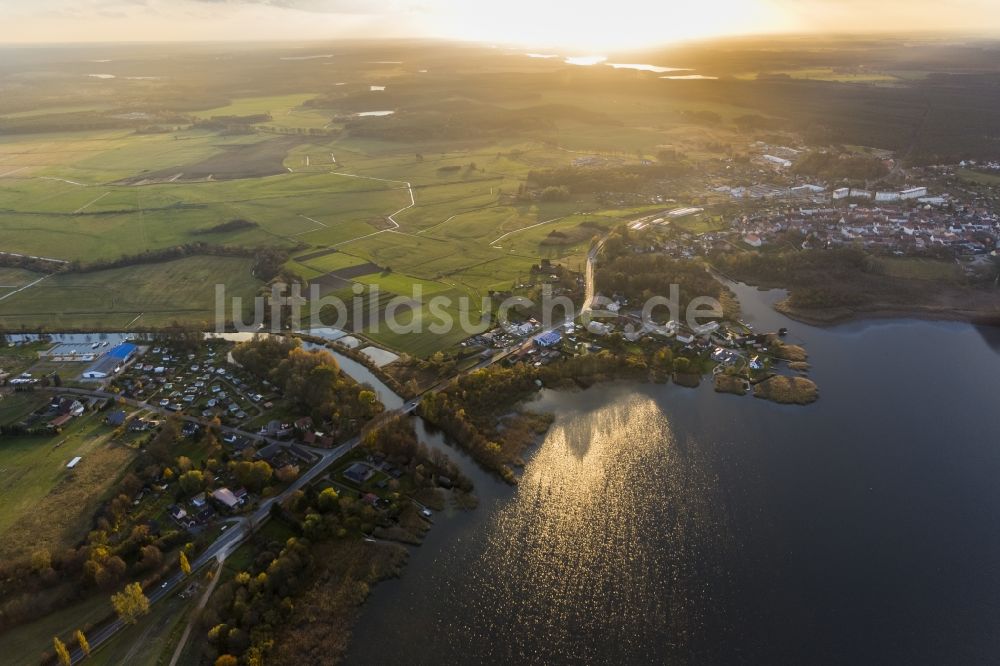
(842, 193)
(887, 196)
(913, 193)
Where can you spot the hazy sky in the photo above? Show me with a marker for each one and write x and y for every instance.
(578, 24)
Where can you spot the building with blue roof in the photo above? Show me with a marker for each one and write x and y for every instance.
(111, 362)
(548, 339)
(123, 352)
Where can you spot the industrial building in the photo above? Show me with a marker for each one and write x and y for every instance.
(112, 362)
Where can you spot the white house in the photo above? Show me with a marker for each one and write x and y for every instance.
(706, 328)
(226, 497)
(598, 328)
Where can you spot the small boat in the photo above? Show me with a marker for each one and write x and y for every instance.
(782, 332)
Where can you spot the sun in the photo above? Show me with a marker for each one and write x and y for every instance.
(591, 26)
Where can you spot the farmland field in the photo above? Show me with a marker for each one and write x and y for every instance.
(156, 294)
(170, 152)
(100, 195)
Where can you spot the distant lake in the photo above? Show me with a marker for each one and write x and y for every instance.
(691, 77)
(647, 68)
(306, 57)
(374, 113)
(585, 61)
(663, 525)
(376, 88)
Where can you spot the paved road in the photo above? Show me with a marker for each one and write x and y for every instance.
(228, 541)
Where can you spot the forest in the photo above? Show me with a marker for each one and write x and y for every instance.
(311, 380)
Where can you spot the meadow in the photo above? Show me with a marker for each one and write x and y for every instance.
(146, 295)
(34, 479)
(330, 206)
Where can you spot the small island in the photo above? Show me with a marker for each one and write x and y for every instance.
(787, 390)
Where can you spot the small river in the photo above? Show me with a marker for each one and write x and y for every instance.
(663, 525)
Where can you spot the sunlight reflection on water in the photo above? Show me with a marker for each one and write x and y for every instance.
(610, 521)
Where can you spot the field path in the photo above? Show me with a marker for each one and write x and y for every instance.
(309, 231)
(27, 286)
(32, 256)
(62, 180)
(441, 224)
(392, 217)
(90, 203)
(194, 613)
(532, 226)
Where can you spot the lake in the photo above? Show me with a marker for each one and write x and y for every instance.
(647, 68)
(657, 524)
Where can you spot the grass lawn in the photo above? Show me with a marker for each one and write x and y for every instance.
(45, 504)
(700, 224)
(331, 262)
(978, 177)
(921, 269)
(16, 406)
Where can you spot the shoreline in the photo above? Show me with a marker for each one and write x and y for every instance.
(833, 316)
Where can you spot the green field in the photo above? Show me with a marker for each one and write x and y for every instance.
(285, 111)
(96, 195)
(34, 478)
(921, 269)
(830, 74)
(461, 237)
(979, 177)
(150, 295)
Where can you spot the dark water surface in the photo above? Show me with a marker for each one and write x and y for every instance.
(663, 525)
